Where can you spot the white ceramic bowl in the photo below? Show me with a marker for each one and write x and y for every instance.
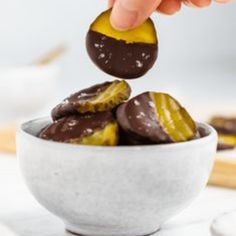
(118, 191)
(25, 90)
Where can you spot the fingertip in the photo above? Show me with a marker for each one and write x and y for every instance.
(121, 18)
(117, 26)
(198, 3)
(129, 14)
(168, 12)
(169, 7)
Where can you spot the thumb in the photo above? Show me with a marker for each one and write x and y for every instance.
(128, 14)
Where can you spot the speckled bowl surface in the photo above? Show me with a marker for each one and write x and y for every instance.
(118, 191)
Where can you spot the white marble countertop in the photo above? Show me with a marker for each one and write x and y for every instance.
(25, 217)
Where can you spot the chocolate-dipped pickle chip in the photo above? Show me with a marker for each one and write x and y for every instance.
(155, 118)
(227, 139)
(99, 129)
(98, 98)
(131, 139)
(224, 125)
(224, 146)
(128, 54)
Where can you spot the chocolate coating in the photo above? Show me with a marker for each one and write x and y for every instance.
(224, 125)
(137, 118)
(68, 106)
(118, 58)
(76, 126)
(224, 146)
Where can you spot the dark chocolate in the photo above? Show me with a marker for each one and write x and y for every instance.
(68, 106)
(224, 146)
(118, 58)
(137, 118)
(202, 132)
(76, 126)
(224, 125)
(131, 139)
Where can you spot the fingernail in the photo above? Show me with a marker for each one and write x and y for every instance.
(123, 18)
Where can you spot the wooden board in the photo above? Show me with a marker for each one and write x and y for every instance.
(224, 173)
(7, 138)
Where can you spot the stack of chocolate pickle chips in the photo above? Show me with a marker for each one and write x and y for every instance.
(226, 128)
(104, 115)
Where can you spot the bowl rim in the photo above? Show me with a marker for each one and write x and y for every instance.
(21, 132)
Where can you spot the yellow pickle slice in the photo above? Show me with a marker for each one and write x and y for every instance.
(98, 98)
(89, 129)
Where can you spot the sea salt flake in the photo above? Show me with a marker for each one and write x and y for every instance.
(102, 55)
(136, 103)
(72, 123)
(140, 115)
(151, 104)
(82, 95)
(139, 64)
(89, 131)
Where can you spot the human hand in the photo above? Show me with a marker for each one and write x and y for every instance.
(128, 14)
